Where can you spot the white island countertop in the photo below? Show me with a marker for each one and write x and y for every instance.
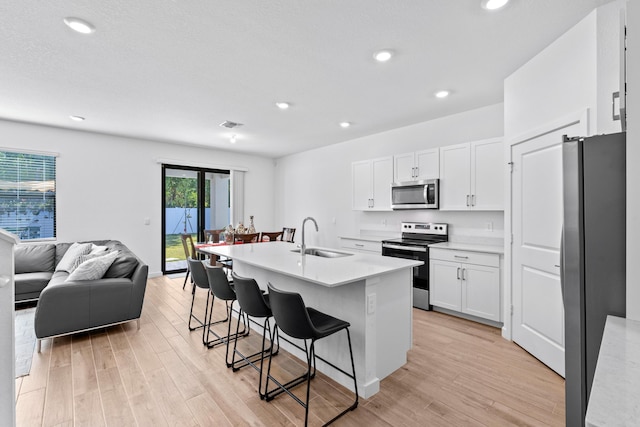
(330, 272)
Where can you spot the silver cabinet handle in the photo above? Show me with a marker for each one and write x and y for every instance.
(359, 245)
(467, 200)
(458, 273)
(473, 200)
(417, 171)
(461, 257)
(463, 270)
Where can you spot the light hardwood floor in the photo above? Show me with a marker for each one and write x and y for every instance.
(458, 373)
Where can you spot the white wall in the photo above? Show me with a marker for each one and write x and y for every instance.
(633, 159)
(108, 185)
(317, 183)
(560, 80)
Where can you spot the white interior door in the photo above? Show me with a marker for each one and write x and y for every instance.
(538, 312)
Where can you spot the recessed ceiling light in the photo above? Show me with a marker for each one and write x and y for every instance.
(79, 25)
(493, 4)
(345, 124)
(233, 139)
(77, 118)
(383, 55)
(283, 105)
(442, 94)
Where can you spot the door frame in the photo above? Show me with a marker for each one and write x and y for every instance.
(200, 221)
(581, 118)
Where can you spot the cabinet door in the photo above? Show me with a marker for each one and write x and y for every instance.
(444, 284)
(403, 167)
(427, 163)
(487, 175)
(361, 176)
(481, 291)
(455, 177)
(382, 176)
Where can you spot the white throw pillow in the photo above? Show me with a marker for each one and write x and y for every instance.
(93, 268)
(83, 258)
(68, 261)
(95, 249)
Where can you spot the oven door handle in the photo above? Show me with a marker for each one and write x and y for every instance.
(405, 248)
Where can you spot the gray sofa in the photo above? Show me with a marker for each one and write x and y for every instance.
(66, 307)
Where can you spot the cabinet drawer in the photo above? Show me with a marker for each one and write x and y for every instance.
(362, 245)
(469, 257)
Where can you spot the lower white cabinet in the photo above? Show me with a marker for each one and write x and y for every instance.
(465, 281)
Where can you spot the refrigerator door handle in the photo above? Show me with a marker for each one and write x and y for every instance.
(561, 263)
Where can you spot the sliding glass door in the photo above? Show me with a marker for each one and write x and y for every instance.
(193, 200)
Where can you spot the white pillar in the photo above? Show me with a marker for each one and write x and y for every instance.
(7, 331)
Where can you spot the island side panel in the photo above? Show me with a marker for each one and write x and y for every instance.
(394, 318)
(380, 339)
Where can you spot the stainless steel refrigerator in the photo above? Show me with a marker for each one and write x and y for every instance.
(593, 252)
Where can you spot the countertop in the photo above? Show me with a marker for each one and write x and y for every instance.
(369, 238)
(615, 393)
(469, 247)
(278, 257)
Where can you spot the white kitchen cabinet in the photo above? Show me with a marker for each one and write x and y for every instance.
(465, 281)
(472, 176)
(371, 184)
(417, 166)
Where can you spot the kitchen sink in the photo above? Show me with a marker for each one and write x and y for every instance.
(324, 253)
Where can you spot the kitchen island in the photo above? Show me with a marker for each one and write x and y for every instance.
(372, 293)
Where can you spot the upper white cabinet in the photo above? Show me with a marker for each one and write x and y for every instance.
(471, 176)
(371, 184)
(424, 164)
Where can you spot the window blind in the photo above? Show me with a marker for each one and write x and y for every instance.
(28, 195)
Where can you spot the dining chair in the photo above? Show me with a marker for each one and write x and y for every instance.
(247, 237)
(212, 236)
(271, 235)
(288, 234)
(189, 252)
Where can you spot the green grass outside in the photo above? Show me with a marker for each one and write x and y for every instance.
(173, 246)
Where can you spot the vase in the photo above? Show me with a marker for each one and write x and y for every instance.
(252, 227)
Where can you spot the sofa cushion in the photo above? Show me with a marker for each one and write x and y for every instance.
(94, 268)
(68, 261)
(32, 282)
(123, 266)
(34, 258)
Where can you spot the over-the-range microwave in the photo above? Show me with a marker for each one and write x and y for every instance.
(415, 194)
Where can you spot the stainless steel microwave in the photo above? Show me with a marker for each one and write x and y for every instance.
(415, 194)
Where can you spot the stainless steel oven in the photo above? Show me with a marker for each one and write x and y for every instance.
(414, 244)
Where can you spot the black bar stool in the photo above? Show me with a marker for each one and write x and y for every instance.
(200, 280)
(253, 302)
(306, 323)
(221, 289)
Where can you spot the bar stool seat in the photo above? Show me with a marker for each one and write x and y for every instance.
(306, 323)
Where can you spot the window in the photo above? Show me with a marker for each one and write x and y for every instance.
(28, 194)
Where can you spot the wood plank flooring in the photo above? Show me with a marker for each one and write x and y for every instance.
(458, 373)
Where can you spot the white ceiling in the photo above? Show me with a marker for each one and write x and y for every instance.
(173, 70)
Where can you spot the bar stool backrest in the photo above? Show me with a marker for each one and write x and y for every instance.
(288, 234)
(250, 297)
(198, 274)
(290, 313)
(220, 284)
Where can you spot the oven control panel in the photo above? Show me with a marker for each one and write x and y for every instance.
(424, 228)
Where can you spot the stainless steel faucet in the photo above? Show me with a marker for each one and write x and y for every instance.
(303, 247)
